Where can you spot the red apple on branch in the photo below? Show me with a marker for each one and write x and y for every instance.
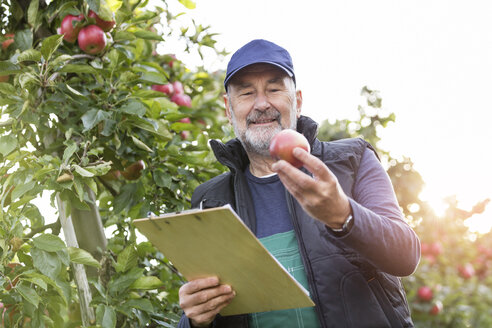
(284, 142)
(92, 39)
(69, 27)
(178, 87)
(106, 26)
(8, 42)
(436, 308)
(133, 171)
(466, 271)
(424, 293)
(181, 99)
(168, 89)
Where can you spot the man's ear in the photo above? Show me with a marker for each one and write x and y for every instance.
(298, 102)
(227, 107)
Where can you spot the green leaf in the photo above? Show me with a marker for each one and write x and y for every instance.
(105, 316)
(127, 259)
(124, 200)
(147, 35)
(141, 145)
(69, 151)
(50, 44)
(80, 256)
(121, 283)
(188, 4)
(22, 189)
(7, 67)
(134, 107)
(48, 242)
(28, 294)
(141, 304)
(102, 9)
(162, 179)
(82, 172)
(32, 12)
(23, 39)
(154, 78)
(29, 55)
(147, 282)
(7, 143)
(75, 92)
(47, 263)
(76, 68)
(93, 117)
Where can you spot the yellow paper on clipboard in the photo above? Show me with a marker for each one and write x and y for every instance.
(215, 242)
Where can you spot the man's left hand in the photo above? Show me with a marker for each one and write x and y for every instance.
(321, 195)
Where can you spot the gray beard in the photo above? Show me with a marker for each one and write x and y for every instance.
(257, 140)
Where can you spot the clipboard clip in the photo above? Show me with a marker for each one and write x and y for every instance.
(151, 216)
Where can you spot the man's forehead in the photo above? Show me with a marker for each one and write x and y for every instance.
(260, 68)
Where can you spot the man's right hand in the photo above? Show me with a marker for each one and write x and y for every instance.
(202, 299)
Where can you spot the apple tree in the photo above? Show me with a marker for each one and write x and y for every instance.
(452, 285)
(101, 128)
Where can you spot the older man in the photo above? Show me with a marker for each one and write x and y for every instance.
(334, 224)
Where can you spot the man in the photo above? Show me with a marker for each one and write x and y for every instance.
(335, 224)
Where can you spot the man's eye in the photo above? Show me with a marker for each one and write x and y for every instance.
(274, 90)
(247, 93)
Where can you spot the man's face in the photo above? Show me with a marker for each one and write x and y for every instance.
(261, 101)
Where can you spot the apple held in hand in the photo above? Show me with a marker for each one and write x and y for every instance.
(284, 142)
(92, 39)
(106, 26)
(67, 28)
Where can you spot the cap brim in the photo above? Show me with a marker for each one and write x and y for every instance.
(228, 77)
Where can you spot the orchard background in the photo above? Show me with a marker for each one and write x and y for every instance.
(109, 130)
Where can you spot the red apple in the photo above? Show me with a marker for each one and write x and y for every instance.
(106, 26)
(171, 61)
(284, 142)
(67, 28)
(425, 294)
(436, 308)
(133, 171)
(8, 42)
(92, 39)
(181, 99)
(435, 248)
(4, 78)
(466, 271)
(178, 87)
(168, 89)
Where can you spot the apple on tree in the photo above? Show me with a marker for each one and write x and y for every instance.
(466, 271)
(425, 294)
(133, 171)
(106, 26)
(181, 99)
(70, 27)
(284, 142)
(178, 87)
(92, 39)
(168, 89)
(8, 42)
(436, 308)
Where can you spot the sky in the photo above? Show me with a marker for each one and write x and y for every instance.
(430, 60)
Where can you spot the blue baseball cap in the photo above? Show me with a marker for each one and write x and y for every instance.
(259, 51)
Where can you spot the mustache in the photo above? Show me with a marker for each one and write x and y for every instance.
(267, 115)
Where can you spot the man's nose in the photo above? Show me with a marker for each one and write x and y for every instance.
(261, 101)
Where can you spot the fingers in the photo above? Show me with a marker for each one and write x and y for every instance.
(203, 299)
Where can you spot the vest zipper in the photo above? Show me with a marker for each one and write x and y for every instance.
(305, 259)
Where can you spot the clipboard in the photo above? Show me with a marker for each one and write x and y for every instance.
(204, 243)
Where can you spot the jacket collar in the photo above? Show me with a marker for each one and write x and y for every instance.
(233, 155)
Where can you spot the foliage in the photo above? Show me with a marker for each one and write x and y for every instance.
(456, 263)
(71, 123)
